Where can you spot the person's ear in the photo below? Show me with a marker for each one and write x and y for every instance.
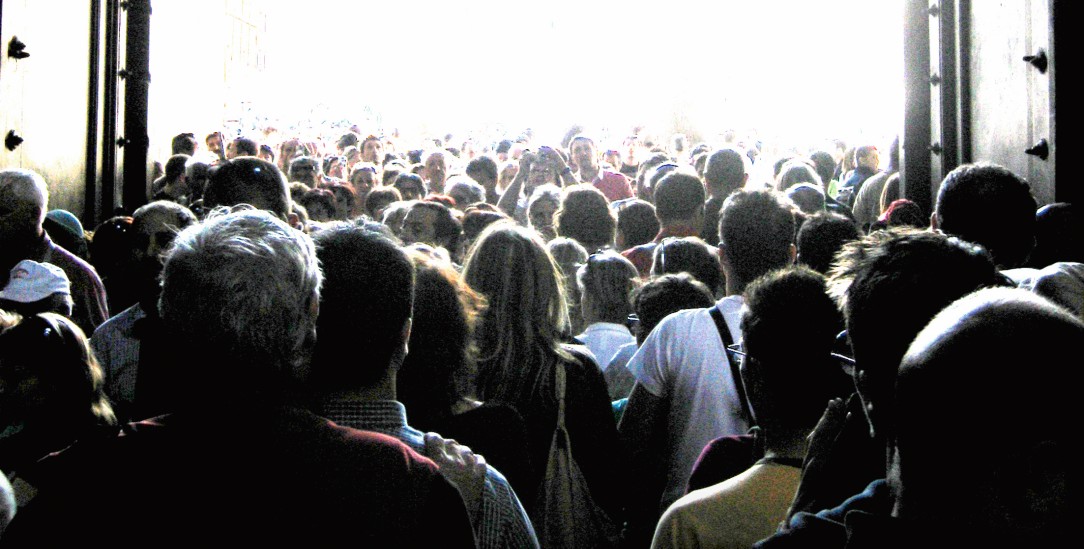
(862, 387)
(934, 222)
(405, 335)
(314, 306)
(724, 258)
(724, 262)
(792, 253)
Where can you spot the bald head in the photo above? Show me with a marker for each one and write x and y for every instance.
(248, 180)
(157, 223)
(992, 363)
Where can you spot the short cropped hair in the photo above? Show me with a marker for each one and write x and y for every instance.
(789, 326)
(304, 169)
(725, 170)
(636, 220)
(679, 195)
(666, 295)
(989, 205)
(482, 168)
(757, 229)
(239, 293)
(175, 166)
(822, 236)
(245, 146)
(379, 198)
(182, 216)
(465, 191)
(688, 255)
(863, 152)
(410, 181)
(183, 143)
(891, 283)
(368, 294)
(585, 216)
(797, 171)
(348, 139)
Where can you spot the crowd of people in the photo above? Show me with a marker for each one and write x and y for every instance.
(521, 344)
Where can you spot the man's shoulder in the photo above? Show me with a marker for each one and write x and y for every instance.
(642, 250)
(611, 176)
(274, 474)
(639, 249)
(684, 318)
(119, 324)
(693, 318)
(290, 434)
(384, 443)
(70, 263)
(693, 331)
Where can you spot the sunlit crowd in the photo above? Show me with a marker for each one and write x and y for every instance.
(650, 341)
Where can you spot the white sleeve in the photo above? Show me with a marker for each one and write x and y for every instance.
(650, 364)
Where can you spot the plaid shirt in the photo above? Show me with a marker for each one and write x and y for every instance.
(503, 522)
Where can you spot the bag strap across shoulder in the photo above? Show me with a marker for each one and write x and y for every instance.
(728, 340)
(560, 391)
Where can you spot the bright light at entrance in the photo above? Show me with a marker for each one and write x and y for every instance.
(803, 70)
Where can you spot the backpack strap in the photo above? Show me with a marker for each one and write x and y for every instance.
(728, 340)
(560, 390)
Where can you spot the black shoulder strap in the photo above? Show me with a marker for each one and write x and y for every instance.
(720, 323)
(728, 340)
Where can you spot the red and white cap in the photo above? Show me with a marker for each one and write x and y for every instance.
(31, 281)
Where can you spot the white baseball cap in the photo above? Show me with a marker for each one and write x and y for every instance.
(31, 281)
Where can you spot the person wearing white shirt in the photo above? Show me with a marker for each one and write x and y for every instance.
(686, 394)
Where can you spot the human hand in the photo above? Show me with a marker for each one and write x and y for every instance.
(551, 156)
(827, 429)
(821, 441)
(460, 466)
(525, 161)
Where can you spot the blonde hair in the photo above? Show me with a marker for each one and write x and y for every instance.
(65, 361)
(521, 331)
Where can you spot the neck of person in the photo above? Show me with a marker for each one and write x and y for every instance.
(786, 445)
(18, 247)
(680, 226)
(734, 286)
(588, 173)
(384, 389)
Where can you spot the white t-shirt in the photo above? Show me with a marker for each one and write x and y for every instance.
(604, 339)
(684, 362)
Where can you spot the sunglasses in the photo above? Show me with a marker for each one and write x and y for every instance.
(737, 352)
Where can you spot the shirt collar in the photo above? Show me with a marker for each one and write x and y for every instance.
(680, 232)
(606, 327)
(376, 415)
